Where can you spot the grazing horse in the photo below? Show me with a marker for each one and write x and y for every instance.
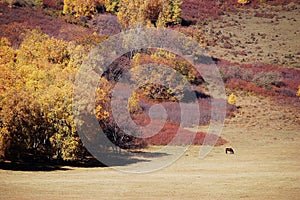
(229, 150)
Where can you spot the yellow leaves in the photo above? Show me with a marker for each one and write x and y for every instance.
(136, 59)
(133, 104)
(111, 5)
(101, 113)
(38, 48)
(243, 2)
(67, 9)
(31, 50)
(6, 68)
(232, 99)
(160, 53)
(134, 13)
(131, 13)
(36, 89)
(171, 13)
(57, 51)
(4, 134)
(32, 79)
(67, 144)
(102, 98)
(4, 42)
(7, 53)
(298, 92)
(79, 8)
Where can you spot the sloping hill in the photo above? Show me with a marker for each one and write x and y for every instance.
(14, 21)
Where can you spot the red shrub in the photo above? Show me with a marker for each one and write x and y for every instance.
(171, 131)
(55, 4)
(262, 79)
(14, 21)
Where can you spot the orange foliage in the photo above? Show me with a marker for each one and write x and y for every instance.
(36, 97)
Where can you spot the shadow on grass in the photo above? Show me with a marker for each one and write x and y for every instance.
(28, 166)
(128, 158)
(112, 159)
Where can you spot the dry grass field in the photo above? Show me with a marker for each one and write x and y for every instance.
(266, 165)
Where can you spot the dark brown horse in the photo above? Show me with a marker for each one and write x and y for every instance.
(229, 150)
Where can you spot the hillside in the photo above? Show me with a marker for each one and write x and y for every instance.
(255, 46)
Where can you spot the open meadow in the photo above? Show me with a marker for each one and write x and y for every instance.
(266, 165)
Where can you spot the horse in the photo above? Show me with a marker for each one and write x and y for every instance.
(229, 150)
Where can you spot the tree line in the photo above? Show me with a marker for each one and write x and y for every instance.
(37, 80)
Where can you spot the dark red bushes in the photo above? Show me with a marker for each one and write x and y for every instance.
(261, 79)
(14, 21)
(174, 135)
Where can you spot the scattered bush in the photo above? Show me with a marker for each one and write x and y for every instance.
(286, 92)
(232, 72)
(79, 8)
(267, 79)
(174, 87)
(232, 99)
(145, 13)
(88, 8)
(243, 1)
(247, 75)
(130, 13)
